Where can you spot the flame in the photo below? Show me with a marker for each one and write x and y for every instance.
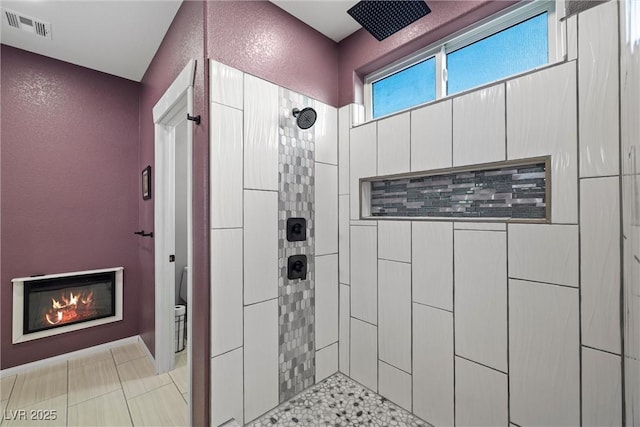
(71, 308)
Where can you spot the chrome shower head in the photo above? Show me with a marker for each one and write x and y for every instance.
(305, 118)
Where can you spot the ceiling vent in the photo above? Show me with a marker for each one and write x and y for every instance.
(27, 24)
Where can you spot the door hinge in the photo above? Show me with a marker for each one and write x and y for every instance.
(172, 258)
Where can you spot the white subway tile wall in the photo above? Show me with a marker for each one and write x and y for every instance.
(479, 116)
(326, 362)
(544, 323)
(431, 136)
(394, 317)
(480, 304)
(601, 388)
(393, 144)
(395, 385)
(481, 395)
(433, 365)
(598, 92)
(510, 294)
(600, 268)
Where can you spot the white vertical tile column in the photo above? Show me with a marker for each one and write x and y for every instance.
(326, 362)
(541, 121)
(226, 219)
(544, 365)
(480, 304)
(598, 90)
(260, 134)
(393, 144)
(227, 388)
(344, 129)
(394, 240)
(481, 395)
(326, 209)
(394, 327)
(479, 126)
(433, 365)
(364, 353)
(326, 297)
(326, 134)
(364, 273)
(226, 85)
(260, 358)
(226, 290)
(395, 385)
(600, 267)
(601, 388)
(345, 327)
(226, 167)
(260, 246)
(431, 134)
(362, 161)
(343, 239)
(432, 262)
(544, 253)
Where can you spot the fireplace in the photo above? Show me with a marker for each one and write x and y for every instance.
(54, 304)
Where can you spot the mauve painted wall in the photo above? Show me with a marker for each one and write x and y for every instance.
(184, 41)
(70, 187)
(361, 53)
(259, 38)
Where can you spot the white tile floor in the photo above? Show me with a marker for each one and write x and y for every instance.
(115, 387)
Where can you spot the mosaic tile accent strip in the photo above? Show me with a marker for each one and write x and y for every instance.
(295, 297)
(338, 401)
(506, 192)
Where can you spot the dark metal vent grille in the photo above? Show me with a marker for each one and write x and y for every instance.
(384, 18)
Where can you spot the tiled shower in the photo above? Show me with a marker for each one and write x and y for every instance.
(467, 322)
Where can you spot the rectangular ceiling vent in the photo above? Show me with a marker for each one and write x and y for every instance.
(25, 23)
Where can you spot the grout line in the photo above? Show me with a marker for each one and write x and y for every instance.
(395, 367)
(543, 283)
(508, 327)
(67, 412)
(364, 321)
(453, 312)
(601, 350)
(260, 302)
(326, 346)
(226, 352)
(123, 393)
(432, 306)
(394, 260)
(482, 364)
(480, 229)
(579, 213)
(411, 329)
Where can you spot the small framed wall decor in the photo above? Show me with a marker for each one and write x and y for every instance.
(146, 183)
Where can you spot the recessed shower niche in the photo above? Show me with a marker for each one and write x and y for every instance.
(514, 190)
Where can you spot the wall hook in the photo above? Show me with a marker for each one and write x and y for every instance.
(143, 234)
(194, 118)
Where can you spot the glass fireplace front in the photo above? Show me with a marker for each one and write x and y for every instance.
(50, 303)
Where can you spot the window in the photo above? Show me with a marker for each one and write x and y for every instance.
(521, 39)
(519, 48)
(407, 88)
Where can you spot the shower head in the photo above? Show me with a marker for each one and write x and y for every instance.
(305, 118)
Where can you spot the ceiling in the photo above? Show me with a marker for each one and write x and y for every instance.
(120, 37)
(328, 17)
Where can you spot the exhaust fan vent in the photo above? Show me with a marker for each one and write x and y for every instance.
(27, 24)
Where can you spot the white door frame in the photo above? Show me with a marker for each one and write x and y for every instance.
(167, 113)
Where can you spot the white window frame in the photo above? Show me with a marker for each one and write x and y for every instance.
(494, 24)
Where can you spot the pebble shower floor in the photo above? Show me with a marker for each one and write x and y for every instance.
(338, 402)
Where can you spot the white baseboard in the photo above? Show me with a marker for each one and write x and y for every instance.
(72, 355)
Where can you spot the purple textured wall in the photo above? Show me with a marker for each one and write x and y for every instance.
(259, 38)
(70, 187)
(184, 41)
(361, 53)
